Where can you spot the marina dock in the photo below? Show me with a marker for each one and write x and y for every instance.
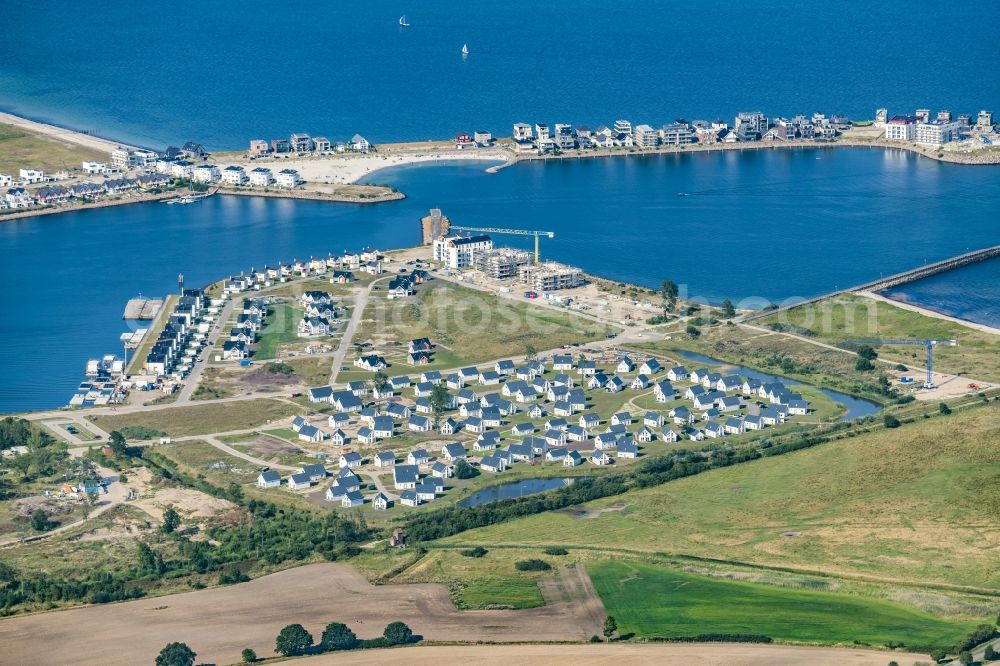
(142, 308)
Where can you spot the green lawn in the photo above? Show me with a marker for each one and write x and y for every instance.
(512, 593)
(280, 326)
(847, 316)
(652, 601)
(472, 326)
(203, 419)
(917, 503)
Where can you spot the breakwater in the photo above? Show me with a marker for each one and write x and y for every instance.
(894, 280)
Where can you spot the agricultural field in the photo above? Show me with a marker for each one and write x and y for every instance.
(202, 419)
(918, 503)
(468, 326)
(220, 622)
(651, 601)
(849, 316)
(21, 148)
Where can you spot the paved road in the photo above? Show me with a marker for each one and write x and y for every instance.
(184, 395)
(211, 439)
(352, 327)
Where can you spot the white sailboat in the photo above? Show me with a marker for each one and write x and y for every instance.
(465, 49)
(402, 22)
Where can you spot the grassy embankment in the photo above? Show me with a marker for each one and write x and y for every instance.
(846, 317)
(877, 538)
(21, 149)
(201, 419)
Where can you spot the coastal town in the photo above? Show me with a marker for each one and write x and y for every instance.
(268, 167)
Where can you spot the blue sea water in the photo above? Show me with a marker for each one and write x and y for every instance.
(223, 73)
(755, 226)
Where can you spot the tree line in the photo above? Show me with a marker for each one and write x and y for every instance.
(295, 640)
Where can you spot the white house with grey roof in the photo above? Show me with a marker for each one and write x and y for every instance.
(405, 477)
(268, 479)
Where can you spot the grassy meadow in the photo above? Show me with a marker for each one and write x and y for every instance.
(202, 419)
(849, 316)
(470, 326)
(20, 148)
(918, 503)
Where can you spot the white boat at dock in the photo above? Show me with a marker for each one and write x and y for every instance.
(187, 198)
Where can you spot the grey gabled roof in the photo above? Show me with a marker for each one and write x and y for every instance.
(405, 474)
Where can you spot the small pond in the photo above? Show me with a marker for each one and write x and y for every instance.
(513, 490)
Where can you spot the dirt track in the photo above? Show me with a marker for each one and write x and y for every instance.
(220, 622)
(675, 654)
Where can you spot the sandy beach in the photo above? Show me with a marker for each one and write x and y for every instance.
(343, 169)
(62, 134)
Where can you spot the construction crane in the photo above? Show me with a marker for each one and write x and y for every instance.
(929, 344)
(512, 232)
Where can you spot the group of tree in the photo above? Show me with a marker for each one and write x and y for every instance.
(866, 354)
(669, 293)
(176, 654)
(463, 470)
(295, 640)
(266, 534)
(45, 456)
(439, 399)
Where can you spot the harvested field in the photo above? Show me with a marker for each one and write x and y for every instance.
(691, 654)
(218, 623)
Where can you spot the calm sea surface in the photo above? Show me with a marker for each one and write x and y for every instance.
(224, 73)
(755, 226)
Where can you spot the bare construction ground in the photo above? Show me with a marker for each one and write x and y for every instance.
(220, 622)
(676, 654)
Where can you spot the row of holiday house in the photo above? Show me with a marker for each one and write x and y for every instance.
(49, 195)
(182, 337)
(244, 333)
(320, 313)
(301, 143)
(563, 399)
(339, 269)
